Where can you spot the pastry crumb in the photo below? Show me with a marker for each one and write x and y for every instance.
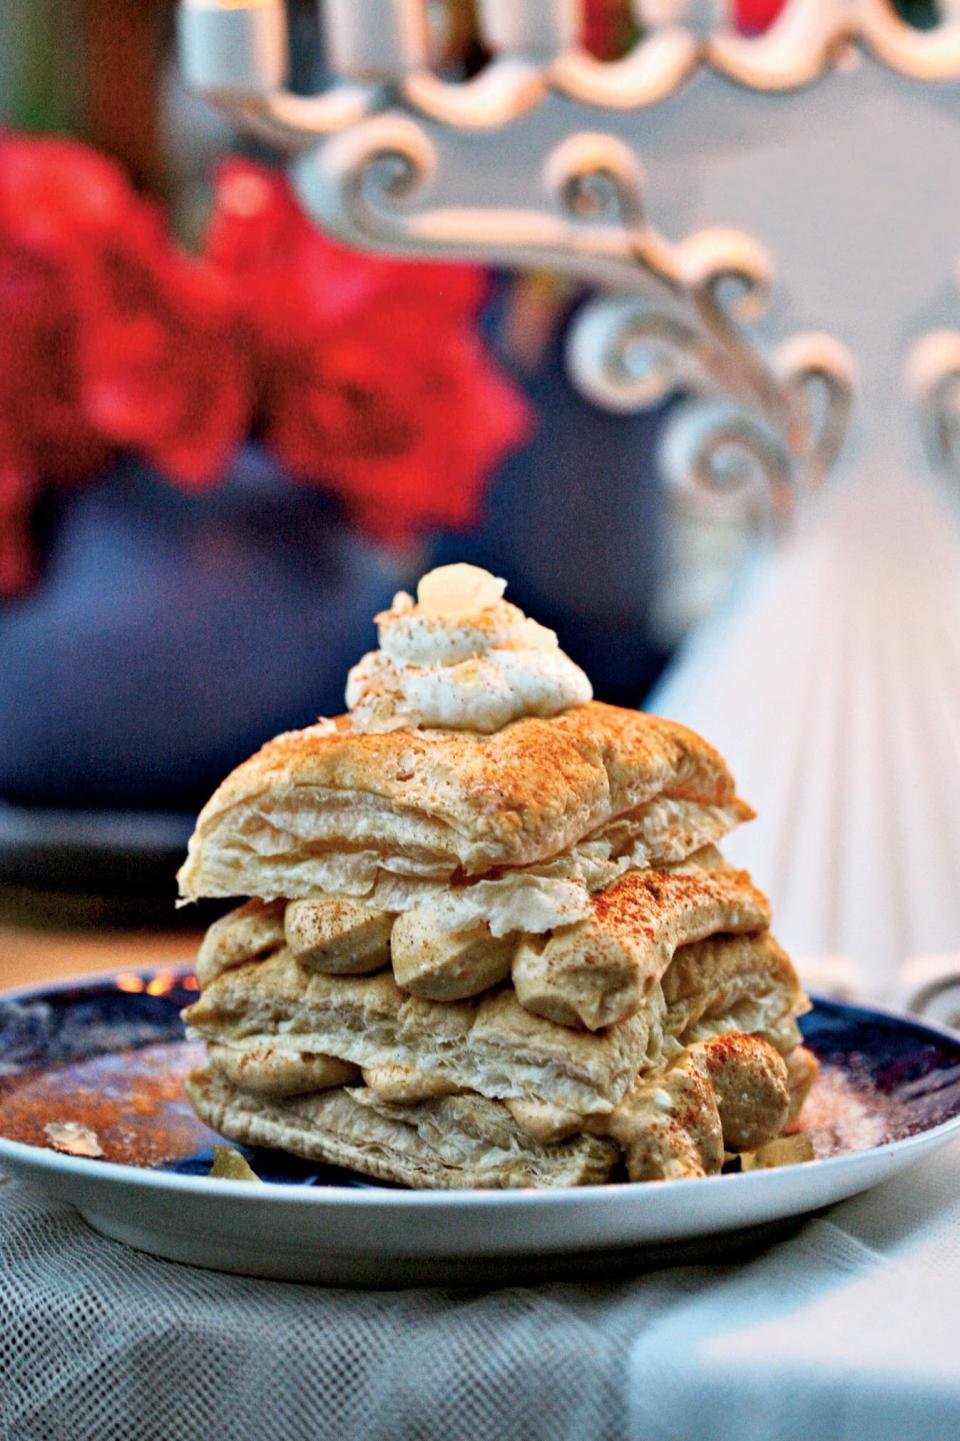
(784, 1151)
(73, 1139)
(229, 1165)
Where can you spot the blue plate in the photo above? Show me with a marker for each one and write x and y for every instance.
(109, 1053)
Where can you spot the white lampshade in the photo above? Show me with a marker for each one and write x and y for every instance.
(831, 683)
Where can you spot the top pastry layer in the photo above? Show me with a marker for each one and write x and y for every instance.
(439, 804)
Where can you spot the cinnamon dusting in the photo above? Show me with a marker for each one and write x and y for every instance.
(132, 1101)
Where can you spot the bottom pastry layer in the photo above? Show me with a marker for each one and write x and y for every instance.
(728, 1094)
(454, 1141)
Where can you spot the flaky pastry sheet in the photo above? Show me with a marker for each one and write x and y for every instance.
(451, 1142)
(490, 1045)
(328, 809)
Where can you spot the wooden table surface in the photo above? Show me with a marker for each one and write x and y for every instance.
(28, 955)
(47, 935)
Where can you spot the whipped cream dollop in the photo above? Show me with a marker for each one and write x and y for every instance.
(461, 657)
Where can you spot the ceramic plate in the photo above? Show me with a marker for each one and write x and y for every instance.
(109, 1054)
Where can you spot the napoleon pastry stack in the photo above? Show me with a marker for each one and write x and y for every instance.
(489, 939)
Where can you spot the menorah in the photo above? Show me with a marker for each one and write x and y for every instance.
(669, 181)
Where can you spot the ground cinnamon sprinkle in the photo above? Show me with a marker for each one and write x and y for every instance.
(845, 1113)
(730, 1046)
(636, 900)
(133, 1100)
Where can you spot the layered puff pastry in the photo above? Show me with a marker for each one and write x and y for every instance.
(395, 817)
(280, 1008)
(501, 957)
(677, 1122)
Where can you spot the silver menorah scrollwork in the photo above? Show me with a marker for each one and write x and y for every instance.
(374, 164)
(379, 52)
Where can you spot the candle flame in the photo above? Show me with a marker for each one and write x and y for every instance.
(163, 984)
(130, 981)
(160, 985)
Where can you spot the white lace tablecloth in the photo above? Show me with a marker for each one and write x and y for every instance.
(846, 1330)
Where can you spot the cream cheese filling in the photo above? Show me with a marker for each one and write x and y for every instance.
(463, 658)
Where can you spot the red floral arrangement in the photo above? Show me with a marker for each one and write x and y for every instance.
(362, 374)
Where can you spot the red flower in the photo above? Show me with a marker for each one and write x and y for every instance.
(109, 337)
(365, 373)
(405, 426)
(163, 368)
(56, 200)
(152, 360)
(373, 381)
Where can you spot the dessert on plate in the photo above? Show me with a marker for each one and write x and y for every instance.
(487, 935)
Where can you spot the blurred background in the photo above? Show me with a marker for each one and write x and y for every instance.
(225, 441)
